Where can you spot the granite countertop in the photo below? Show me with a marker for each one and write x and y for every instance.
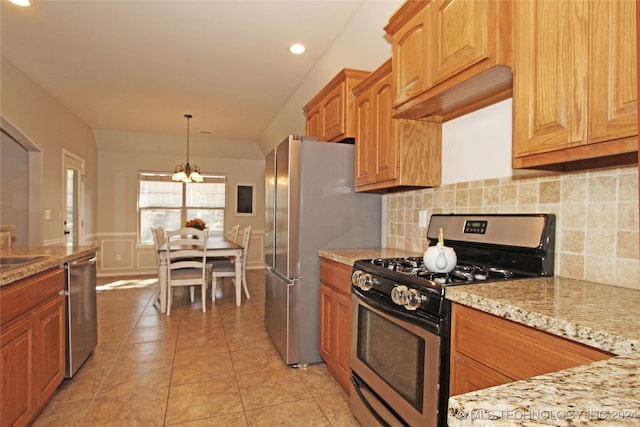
(601, 316)
(53, 256)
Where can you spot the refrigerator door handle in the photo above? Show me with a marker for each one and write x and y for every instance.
(280, 276)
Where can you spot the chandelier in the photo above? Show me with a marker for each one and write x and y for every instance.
(187, 172)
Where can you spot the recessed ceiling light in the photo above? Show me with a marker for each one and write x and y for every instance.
(297, 49)
(21, 2)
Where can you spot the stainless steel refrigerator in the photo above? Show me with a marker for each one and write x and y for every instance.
(310, 204)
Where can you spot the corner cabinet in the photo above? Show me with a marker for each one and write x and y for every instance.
(329, 115)
(392, 154)
(487, 350)
(450, 57)
(32, 343)
(335, 320)
(575, 84)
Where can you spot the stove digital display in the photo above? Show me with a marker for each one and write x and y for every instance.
(475, 227)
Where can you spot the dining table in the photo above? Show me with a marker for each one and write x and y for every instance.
(216, 247)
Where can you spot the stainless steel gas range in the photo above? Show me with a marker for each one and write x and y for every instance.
(400, 334)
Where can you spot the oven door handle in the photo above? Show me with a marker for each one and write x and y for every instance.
(430, 323)
(381, 413)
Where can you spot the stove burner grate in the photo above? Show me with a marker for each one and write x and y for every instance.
(461, 274)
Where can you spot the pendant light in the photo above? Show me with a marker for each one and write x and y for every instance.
(187, 172)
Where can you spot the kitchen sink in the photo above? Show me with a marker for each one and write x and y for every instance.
(7, 263)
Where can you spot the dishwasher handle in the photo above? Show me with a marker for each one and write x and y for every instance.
(83, 261)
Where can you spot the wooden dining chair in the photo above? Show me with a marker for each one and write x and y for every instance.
(186, 262)
(221, 269)
(234, 233)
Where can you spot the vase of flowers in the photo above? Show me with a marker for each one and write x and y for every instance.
(196, 223)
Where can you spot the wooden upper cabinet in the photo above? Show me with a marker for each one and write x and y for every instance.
(375, 147)
(313, 122)
(410, 58)
(461, 37)
(450, 57)
(613, 85)
(329, 115)
(365, 148)
(392, 154)
(549, 91)
(575, 85)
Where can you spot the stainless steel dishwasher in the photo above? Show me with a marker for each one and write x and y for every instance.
(81, 312)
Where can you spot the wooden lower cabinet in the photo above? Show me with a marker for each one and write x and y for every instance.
(32, 342)
(487, 350)
(335, 319)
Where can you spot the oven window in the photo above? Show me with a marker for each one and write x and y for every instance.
(393, 353)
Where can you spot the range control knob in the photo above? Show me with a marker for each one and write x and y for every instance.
(399, 294)
(355, 277)
(362, 280)
(413, 300)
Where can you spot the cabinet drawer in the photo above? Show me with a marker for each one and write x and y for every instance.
(26, 294)
(336, 275)
(515, 350)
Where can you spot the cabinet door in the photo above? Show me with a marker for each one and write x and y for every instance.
(487, 350)
(327, 315)
(468, 375)
(343, 337)
(313, 124)
(365, 140)
(383, 132)
(459, 36)
(332, 114)
(18, 379)
(410, 57)
(613, 82)
(549, 90)
(50, 330)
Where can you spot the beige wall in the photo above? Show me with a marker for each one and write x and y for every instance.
(363, 45)
(117, 232)
(48, 124)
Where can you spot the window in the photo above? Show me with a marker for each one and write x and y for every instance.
(170, 204)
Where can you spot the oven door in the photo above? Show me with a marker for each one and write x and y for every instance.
(395, 360)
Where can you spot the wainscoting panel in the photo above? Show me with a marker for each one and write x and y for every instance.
(120, 255)
(116, 254)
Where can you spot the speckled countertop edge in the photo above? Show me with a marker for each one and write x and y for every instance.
(53, 256)
(603, 393)
(601, 316)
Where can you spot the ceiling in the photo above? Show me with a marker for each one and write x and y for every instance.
(142, 65)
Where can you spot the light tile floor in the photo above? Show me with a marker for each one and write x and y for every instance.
(217, 368)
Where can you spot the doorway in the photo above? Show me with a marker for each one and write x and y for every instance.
(30, 232)
(73, 199)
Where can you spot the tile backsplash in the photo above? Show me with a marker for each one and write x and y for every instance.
(596, 217)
